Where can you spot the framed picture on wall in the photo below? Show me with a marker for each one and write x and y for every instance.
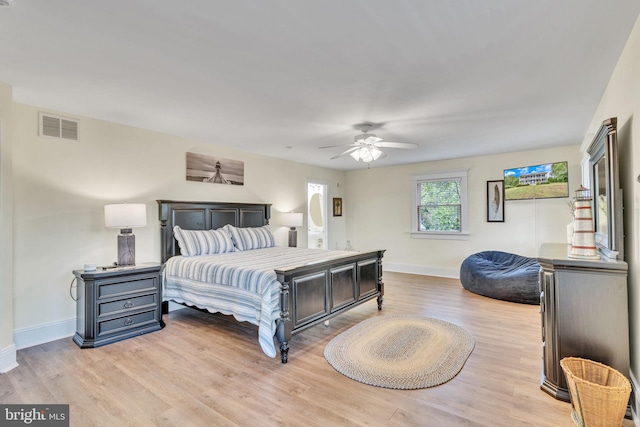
(337, 206)
(495, 201)
(214, 170)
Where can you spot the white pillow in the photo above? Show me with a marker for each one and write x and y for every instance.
(251, 237)
(203, 242)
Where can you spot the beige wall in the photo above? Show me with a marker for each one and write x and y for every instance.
(7, 351)
(378, 204)
(60, 188)
(622, 100)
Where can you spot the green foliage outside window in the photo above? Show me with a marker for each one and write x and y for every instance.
(440, 205)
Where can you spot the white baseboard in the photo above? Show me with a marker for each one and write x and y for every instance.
(453, 273)
(8, 359)
(635, 404)
(46, 332)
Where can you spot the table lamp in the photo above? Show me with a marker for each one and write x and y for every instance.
(125, 216)
(292, 220)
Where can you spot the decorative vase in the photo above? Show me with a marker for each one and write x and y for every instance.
(570, 232)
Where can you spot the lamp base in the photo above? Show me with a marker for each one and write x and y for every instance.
(293, 237)
(126, 248)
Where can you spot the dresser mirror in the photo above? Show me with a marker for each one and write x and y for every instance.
(605, 188)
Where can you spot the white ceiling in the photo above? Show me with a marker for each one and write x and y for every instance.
(283, 77)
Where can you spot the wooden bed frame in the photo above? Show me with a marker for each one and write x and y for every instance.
(309, 294)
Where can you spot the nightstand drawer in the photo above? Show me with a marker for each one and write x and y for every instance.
(127, 322)
(114, 288)
(127, 304)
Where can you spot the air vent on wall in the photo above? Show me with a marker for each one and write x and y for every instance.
(58, 127)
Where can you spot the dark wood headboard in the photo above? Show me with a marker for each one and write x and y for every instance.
(205, 216)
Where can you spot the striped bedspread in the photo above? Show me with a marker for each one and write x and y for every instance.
(242, 284)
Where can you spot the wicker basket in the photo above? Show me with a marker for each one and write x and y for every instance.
(599, 393)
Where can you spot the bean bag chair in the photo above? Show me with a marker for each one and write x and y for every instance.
(502, 275)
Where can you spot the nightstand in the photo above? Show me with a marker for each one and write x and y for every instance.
(117, 303)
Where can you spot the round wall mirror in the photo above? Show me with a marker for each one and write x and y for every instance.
(315, 210)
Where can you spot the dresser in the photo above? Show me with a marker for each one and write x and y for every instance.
(584, 309)
(117, 303)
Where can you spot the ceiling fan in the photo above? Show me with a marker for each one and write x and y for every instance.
(366, 147)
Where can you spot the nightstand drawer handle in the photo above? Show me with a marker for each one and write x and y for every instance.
(128, 304)
(128, 322)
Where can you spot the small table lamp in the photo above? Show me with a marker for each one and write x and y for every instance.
(293, 220)
(125, 216)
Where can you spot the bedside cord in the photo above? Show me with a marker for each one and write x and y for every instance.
(71, 287)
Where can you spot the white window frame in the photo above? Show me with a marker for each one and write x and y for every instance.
(418, 179)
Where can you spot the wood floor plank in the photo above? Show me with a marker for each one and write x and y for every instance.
(205, 369)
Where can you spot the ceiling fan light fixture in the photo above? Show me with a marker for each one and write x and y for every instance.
(361, 154)
(367, 147)
(375, 152)
(366, 154)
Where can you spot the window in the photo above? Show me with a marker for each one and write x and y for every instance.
(440, 205)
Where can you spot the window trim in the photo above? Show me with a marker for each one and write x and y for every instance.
(417, 179)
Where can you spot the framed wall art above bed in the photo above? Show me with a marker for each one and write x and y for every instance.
(214, 170)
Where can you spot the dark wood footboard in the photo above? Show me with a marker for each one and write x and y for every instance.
(314, 293)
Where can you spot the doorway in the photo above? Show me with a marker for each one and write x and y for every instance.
(317, 215)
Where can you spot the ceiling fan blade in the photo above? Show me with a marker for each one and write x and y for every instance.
(339, 145)
(389, 144)
(366, 138)
(345, 152)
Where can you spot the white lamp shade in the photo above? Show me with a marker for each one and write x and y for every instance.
(125, 215)
(367, 154)
(375, 152)
(292, 219)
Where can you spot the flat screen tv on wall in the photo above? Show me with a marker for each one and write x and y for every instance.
(537, 182)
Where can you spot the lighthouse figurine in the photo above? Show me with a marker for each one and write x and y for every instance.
(583, 245)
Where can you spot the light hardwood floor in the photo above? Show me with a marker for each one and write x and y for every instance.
(208, 370)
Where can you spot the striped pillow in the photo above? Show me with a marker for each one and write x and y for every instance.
(203, 242)
(251, 237)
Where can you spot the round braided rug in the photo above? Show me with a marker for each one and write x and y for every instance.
(400, 352)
